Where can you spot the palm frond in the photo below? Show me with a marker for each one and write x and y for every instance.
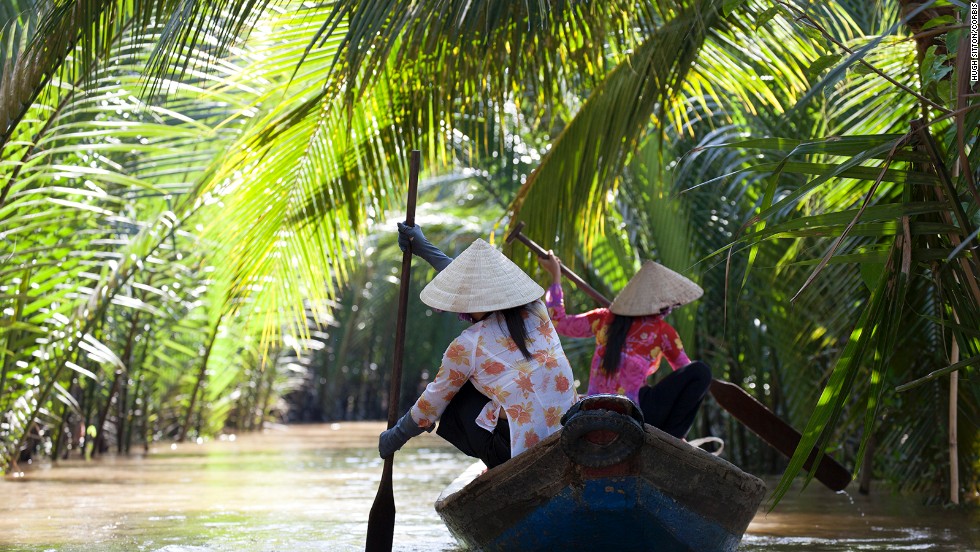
(583, 165)
(90, 181)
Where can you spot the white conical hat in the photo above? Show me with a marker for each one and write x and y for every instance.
(480, 279)
(653, 289)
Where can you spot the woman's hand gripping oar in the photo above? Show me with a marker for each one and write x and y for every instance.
(742, 406)
(381, 521)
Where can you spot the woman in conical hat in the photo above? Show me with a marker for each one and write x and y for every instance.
(504, 382)
(631, 339)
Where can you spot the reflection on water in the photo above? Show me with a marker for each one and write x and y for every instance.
(306, 488)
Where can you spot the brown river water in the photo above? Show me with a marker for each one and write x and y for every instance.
(310, 488)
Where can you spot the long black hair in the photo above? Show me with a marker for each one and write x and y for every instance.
(514, 319)
(615, 339)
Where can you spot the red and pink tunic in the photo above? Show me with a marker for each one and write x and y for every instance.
(650, 338)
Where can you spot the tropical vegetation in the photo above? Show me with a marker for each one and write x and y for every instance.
(197, 204)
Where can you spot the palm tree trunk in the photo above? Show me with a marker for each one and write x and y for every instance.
(954, 463)
(121, 410)
(201, 377)
(116, 385)
(970, 266)
(60, 437)
(85, 407)
(104, 414)
(930, 37)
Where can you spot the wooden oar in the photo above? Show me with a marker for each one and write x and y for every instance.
(773, 430)
(381, 521)
(742, 406)
(516, 234)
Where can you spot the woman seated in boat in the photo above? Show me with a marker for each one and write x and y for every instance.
(504, 382)
(632, 337)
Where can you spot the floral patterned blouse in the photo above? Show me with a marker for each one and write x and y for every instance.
(649, 340)
(533, 393)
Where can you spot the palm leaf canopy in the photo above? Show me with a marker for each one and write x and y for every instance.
(655, 115)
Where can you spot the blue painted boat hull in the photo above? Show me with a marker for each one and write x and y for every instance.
(627, 511)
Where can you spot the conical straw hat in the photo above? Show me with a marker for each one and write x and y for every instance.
(480, 279)
(653, 289)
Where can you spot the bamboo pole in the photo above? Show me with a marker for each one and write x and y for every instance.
(954, 465)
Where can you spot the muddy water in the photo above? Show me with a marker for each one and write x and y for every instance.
(305, 488)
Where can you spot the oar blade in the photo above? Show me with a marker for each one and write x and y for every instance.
(771, 429)
(381, 520)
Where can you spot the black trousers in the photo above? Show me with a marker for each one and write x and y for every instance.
(672, 403)
(458, 426)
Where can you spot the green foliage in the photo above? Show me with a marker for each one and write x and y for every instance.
(106, 289)
(183, 251)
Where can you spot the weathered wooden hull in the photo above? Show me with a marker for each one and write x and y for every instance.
(668, 496)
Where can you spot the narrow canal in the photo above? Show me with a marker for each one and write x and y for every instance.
(305, 488)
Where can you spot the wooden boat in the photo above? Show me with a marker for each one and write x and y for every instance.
(604, 482)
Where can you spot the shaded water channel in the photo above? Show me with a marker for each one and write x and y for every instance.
(305, 488)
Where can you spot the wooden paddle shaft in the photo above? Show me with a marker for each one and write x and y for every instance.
(406, 275)
(537, 249)
(381, 520)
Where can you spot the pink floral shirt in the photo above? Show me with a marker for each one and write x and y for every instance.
(649, 340)
(533, 393)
